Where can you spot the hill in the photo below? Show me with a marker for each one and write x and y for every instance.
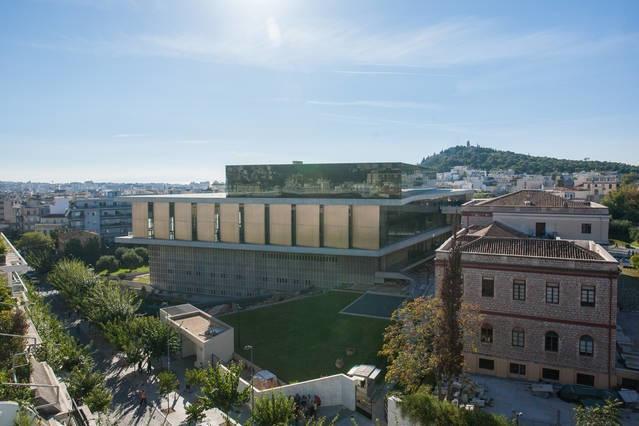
(491, 159)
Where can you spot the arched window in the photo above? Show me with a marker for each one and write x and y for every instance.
(586, 346)
(551, 342)
(486, 333)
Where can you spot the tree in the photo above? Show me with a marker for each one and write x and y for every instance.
(156, 337)
(424, 408)
(276, 409)
(143, 253)
(107, 263)
(130, 260)
(82, 380)
(74, 280)
(38, 250)
(219, 388)
(449, 343)
(167, 383)
(194, 413)
(415, 343)
(98, 399)
(408, 343)
(635, 261)
(620, 229)
(119, 252)
(606, 415)
(12, 321)
(624, 203)
(107, 301)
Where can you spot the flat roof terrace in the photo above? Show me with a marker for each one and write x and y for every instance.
(194, 321)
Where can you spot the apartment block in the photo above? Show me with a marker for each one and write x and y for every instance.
(548, 307)
(292, 227)
(105, 216)
(541, 214)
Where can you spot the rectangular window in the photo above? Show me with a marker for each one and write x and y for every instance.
(518, 338)
(488, 287)
(586, 228)
(587, 295)
(585, 379)
(194, 221)
(519, 369)
(149, 225)
(550, 374)
(267, 224)
(487, 334)
(540, 229)
(552, 293)
(519, 290)
(293, 225)
(240, 220)
(171, 221)
(216, 213)
(321, 225)
(486, 364)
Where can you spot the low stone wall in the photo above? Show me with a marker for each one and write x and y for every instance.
(338, 389)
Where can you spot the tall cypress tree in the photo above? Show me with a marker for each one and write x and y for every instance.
(449, 342)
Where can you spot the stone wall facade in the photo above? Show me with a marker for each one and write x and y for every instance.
(552, 304)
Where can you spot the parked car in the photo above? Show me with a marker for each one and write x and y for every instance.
(587, 395)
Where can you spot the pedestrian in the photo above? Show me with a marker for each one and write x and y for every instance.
(143, 398)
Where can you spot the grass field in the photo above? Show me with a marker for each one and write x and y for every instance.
(302, 339)
(140, 270)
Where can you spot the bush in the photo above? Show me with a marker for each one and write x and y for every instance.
(634, 260)
(120, 251)
(130, 260)
(107, 263)
(143, 253)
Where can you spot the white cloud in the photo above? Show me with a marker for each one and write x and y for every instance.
(305, 44)
(374, 104)
(273, 32)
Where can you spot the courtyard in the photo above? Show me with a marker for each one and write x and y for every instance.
(302, 339)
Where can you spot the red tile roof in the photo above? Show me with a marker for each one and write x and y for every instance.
(556, 249)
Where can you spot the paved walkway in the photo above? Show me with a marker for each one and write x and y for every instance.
(122, 381)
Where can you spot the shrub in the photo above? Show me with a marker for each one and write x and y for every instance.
(107, 263)
(130, 260)
(143, 253)
(120, 251)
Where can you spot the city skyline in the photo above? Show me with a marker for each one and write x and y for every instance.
(154, 91)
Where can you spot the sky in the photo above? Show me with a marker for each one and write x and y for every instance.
(160, 90)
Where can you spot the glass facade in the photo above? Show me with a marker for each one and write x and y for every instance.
(398, 223)
(347, 180)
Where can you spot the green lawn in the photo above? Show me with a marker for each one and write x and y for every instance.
(302, 339)
(140, 270)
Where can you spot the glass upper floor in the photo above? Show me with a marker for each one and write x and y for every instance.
(338, 180)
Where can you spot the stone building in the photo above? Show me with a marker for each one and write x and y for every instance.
(541, 214)
(548, 307)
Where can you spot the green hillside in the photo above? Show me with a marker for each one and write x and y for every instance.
(490, 159)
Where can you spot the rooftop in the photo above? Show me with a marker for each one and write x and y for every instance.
(496, 229)
(195, 321)
(531, 247)
(532, 198)
(409, 195)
